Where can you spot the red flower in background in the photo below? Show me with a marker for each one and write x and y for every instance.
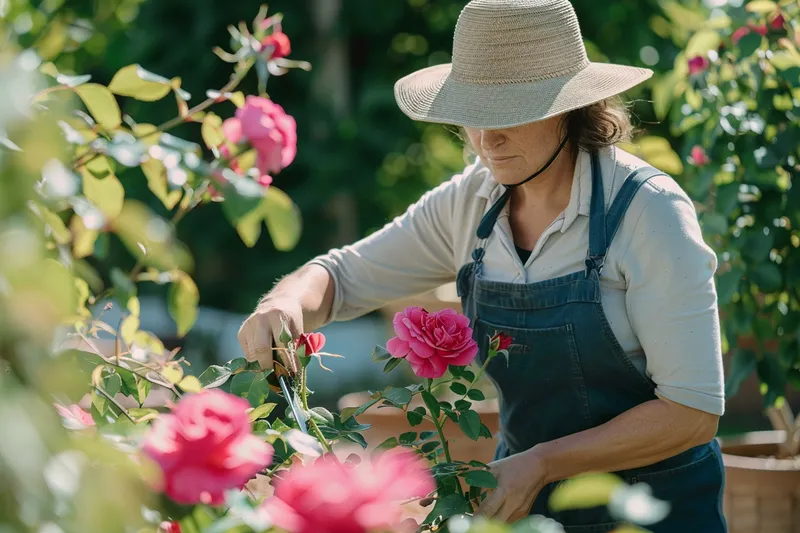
(698, 64)
(206, 447)
(280, 44)
(699, 157)
(313, 342)
(169, 526)
(432, 341)
(778, 22)
(329, 497)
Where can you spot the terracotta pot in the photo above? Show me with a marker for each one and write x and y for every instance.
(762, 494)
(389, 422)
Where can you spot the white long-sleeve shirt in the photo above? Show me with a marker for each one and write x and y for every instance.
(657, 285)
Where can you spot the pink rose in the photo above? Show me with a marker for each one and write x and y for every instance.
(778, 22)
(432, 341)
(75, 417)
(313, 342)
(329, 497)
(699, 157)
(268, 129)
(698, 64)
(205, 447)
(280, 44)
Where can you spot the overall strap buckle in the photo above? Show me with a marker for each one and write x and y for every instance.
(595, 262)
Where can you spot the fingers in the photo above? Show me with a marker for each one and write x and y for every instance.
(277, 320)
(492, 504)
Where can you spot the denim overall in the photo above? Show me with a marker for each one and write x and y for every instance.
(566, 372)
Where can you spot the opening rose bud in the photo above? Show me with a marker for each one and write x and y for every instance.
(500, 342)
(430, 342)
(279, 43)
(312, 342)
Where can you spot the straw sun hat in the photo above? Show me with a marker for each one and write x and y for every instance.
(514, 62)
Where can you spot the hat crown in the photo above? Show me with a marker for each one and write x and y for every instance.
(517, 41)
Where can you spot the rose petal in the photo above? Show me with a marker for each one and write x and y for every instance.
(397, 347)
(232, 129)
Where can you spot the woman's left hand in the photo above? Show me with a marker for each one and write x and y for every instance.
(520, 478)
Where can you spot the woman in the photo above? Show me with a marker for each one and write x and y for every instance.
(592, 261)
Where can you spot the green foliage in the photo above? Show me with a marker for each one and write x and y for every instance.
(741, 111)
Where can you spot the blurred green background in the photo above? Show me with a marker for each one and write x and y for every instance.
(360, 161)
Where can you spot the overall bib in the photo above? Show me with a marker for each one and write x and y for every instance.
(566, 372)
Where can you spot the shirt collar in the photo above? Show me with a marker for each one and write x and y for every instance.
(581, 194)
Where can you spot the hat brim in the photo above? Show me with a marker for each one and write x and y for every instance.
(432, 95)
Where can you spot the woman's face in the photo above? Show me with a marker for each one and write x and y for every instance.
(513, 154)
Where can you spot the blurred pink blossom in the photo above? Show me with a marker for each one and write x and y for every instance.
(699, 157)
(206, 447)
(75, 417)
(698, 64)
(329, 497)
(268, 129)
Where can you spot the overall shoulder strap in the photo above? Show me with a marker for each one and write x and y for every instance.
(623, 200)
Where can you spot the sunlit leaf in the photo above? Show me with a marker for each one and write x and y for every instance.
(156, 175)
(107, 194)
(183, 299)
(215, 376)
(785, 59)
(701, 42)
(129, 328)
(761, 7)
(172, 373)
(73, 81)
(262, 411)
(101, 104)
(657, 152)
(190, 384)
(136, 82)
(148, 134)
(398, 396)
(585, 492)
(212, 130)
(151, 238)
(283, 219)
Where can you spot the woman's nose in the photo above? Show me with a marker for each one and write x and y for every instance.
(490, 139)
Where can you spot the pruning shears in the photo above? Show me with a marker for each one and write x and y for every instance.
(285, 378)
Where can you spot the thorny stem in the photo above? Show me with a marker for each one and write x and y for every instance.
(311, 422)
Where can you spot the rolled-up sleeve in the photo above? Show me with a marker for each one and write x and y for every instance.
(672, 301)
(410, 255)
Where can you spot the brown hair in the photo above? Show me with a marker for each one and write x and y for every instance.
(598, 125)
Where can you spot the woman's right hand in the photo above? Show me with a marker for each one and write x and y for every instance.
(262, 330)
